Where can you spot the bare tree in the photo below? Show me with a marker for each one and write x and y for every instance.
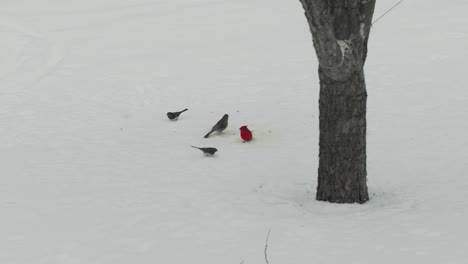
(340, 31)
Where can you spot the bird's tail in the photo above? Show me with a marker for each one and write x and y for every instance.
(195, 147)
(209, 133)
(184, 110)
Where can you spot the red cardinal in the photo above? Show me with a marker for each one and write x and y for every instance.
(245, 133)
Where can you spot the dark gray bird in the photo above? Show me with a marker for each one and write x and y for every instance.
(207, 151)
(220, 126)
(175, 115)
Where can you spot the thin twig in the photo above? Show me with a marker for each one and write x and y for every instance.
(352, 37)
(266, 247)
(375, 21)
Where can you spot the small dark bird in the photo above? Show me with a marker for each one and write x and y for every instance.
(175, 115)
(207, 151)
(220, 126)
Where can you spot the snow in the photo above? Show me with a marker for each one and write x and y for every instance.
(92, 171)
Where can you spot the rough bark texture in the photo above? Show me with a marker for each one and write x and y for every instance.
(340, 31)
(342, 163)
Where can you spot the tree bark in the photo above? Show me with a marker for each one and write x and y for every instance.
(342, 163)
(340, 31)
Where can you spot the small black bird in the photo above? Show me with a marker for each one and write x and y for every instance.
(207, 151)
(175, 115)
(220, 126)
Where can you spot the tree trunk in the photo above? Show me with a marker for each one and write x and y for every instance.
(342, 164)
(340, 31)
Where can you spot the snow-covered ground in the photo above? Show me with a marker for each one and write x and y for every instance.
(93, 172)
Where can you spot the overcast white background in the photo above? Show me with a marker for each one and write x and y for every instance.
(91, 170)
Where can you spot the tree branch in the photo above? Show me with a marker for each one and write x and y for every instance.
(366, 10)
(320, 25)
(334, 55)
